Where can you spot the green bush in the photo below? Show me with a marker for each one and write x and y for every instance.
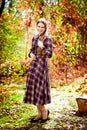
(14, 68)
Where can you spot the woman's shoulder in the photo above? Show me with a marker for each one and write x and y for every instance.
(48, 38)
(35, 37)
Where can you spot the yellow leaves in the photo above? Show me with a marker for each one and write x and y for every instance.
(83, 86)
(54, 56)
(3, 93)
(75, 128)
(59, 52)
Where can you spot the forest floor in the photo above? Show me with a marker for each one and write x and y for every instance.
(15, 115)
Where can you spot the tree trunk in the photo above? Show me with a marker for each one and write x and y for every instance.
(10, 6)
(2, 7)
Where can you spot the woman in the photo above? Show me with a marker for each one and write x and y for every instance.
(37, 85)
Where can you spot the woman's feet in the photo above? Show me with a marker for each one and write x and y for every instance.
(36, 119)
(44, 120)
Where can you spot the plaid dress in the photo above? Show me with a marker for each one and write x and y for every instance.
(37, 84)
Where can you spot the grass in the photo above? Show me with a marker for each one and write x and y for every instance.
(14, 114)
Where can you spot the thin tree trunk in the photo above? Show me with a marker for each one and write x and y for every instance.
(10, 6)
(2, 7)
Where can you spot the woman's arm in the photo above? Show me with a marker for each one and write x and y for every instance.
(48, 48)
(33, 48)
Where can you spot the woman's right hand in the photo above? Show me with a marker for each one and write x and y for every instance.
(32, 56)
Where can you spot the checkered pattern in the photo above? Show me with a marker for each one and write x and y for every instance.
(37, 85)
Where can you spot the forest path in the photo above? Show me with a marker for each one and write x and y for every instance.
(15, 115)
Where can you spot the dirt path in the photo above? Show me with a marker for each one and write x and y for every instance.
(14, 115)
(63, 113)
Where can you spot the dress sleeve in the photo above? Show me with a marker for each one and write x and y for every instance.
(33, 47)
(48, 49)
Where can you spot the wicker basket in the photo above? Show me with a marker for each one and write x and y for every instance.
(82, 104)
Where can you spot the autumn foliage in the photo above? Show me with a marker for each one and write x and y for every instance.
(67, 25)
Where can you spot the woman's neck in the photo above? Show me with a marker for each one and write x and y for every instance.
(42, 37)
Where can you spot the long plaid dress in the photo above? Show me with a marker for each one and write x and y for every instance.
(37, 84)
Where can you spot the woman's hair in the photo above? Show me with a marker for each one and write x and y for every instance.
(42, 20)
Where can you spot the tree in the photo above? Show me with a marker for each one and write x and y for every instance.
(2, 6)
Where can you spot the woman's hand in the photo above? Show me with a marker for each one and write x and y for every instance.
(32, 56)
(40, 44)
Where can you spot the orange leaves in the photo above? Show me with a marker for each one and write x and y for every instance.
(65, 2)
(4, 93)
(72, 17)
(59, 52)
(83, 86)
(53, 30)
(22, 5)
(18, 27)
(7, 15)
(28, 22)
(26, 12)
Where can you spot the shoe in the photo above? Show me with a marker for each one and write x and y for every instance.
(33, 120)
(44, 120)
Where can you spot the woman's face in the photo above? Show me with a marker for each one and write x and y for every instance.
(40, 28)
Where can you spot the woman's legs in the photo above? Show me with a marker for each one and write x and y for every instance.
(43, 111)
(39, 112)
(39, 116)
(42, 114)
